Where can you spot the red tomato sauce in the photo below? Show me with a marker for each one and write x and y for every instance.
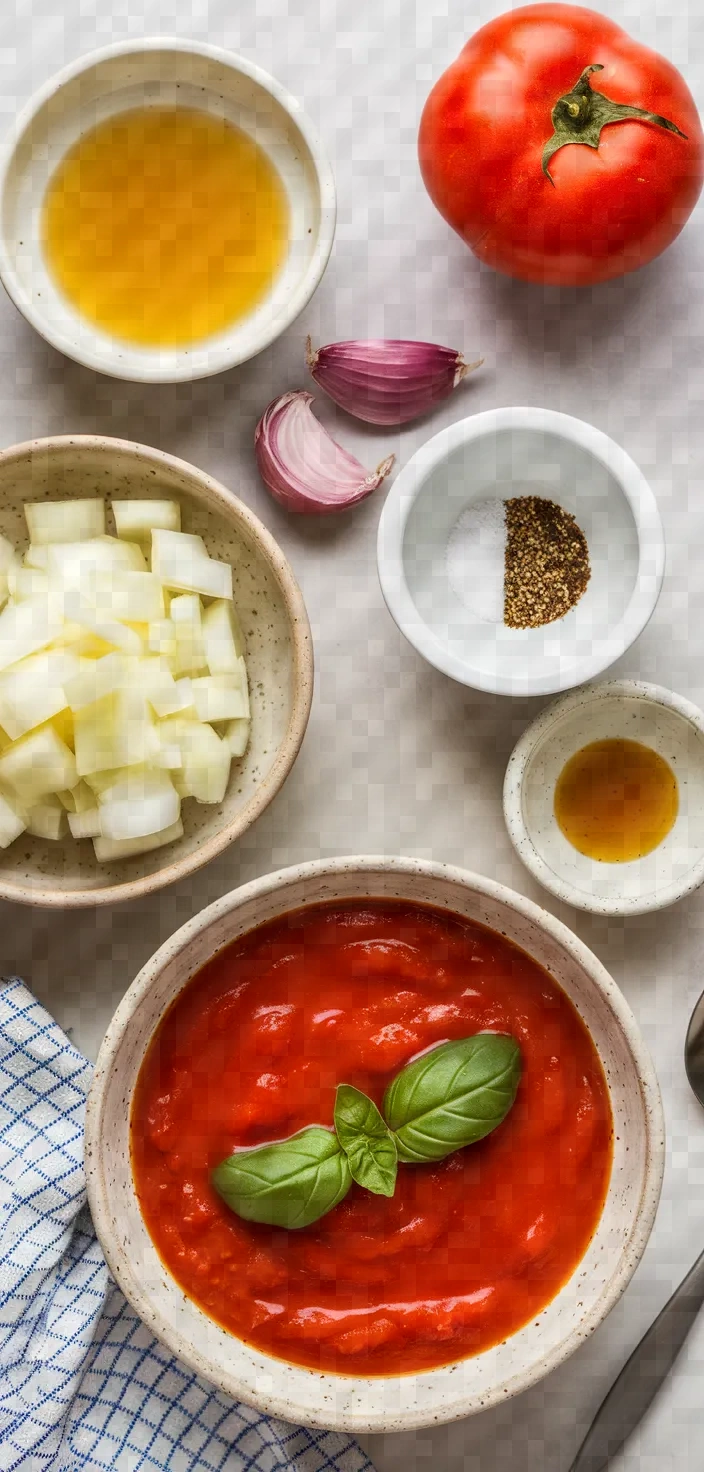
(466, 1251)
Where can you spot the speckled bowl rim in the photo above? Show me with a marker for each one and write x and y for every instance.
(222, 357)
(406, 489)
(239, 515)
(537, 735)
(275, 1402)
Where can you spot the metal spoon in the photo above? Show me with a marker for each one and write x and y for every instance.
(643, 1374)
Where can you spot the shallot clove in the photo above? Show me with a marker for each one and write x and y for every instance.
(387, 380)
(303, 467)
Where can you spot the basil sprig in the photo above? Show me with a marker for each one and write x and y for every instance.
(366, 1140)
(288, 1184)
(452, 1096)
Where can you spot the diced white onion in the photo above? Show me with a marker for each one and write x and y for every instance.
(135, 520)
(138, 806)
(11, 822)
(86, 824)
(116, 731)
(26, 582)
(181, 561)
(220, 698)
(47, 819)
(8, 555)
(37, 764)
(237, 737)
(33, 690)
(64, 521)
(24, 629)
(186, 621)
(70, 563)
(113, 675)
(108, 849)
(222, 638)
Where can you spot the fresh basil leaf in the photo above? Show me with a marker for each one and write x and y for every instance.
(288, 1184)
(452, 1096)
(366, 1140)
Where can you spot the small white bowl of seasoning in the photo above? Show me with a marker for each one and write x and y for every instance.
(521, 551)
(206, 189)
(604, 798)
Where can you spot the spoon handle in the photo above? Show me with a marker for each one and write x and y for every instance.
(642, 1375)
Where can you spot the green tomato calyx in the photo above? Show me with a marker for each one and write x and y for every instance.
(580, 115)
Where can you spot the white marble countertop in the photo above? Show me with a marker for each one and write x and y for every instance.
(398, 759)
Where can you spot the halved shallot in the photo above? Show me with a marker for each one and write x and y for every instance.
(387, 380)
(303, 467)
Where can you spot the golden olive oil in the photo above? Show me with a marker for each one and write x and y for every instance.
(616, 800)
(165, 225)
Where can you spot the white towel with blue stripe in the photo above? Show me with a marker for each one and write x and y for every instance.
(83, 1383)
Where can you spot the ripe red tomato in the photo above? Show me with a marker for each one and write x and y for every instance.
(503, 155)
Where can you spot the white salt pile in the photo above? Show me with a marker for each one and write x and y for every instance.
(475, 559)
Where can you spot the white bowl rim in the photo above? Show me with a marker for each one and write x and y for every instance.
(302, 658)
(223, 358)
(274, 1402)
(532, 738)
(402, 497)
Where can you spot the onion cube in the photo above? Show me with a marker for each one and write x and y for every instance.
(70, 563)
(181, 562)
(64, 521)
(205, 763)
(25, 628)
(220, 698)
(139, 805)
(222, 638)
(34, 690)
(186, 620)
(26, 582)
(96, 678)
(85, 824)
(135, 520)
(237, 737)
(161, 637)
(79, 610)
(36, 557)
(132, 597)
(11, 823)
(116, 731)
(37, 764)
(78, 799)
(8, 555)
(47, 819)
(107, 849)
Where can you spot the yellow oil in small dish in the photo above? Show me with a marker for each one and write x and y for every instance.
(165, 225)
(615, 800)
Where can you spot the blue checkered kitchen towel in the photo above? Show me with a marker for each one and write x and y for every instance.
(83, 1384)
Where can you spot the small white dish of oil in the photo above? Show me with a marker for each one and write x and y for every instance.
(604, 798)
(166, 210)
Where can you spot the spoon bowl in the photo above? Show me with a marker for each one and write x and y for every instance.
(694, 1051)
(653, 1358)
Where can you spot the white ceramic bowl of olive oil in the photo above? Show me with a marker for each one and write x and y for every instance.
(237, 219)
(643, 802)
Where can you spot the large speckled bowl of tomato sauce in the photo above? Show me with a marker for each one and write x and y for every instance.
(483, 1271)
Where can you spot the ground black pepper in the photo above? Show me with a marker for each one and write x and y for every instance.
(546, 564)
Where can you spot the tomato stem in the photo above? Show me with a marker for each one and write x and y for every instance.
(580, 115)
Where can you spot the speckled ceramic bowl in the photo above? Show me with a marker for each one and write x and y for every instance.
(615, 708)
(349, 1402)
(279, 661)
